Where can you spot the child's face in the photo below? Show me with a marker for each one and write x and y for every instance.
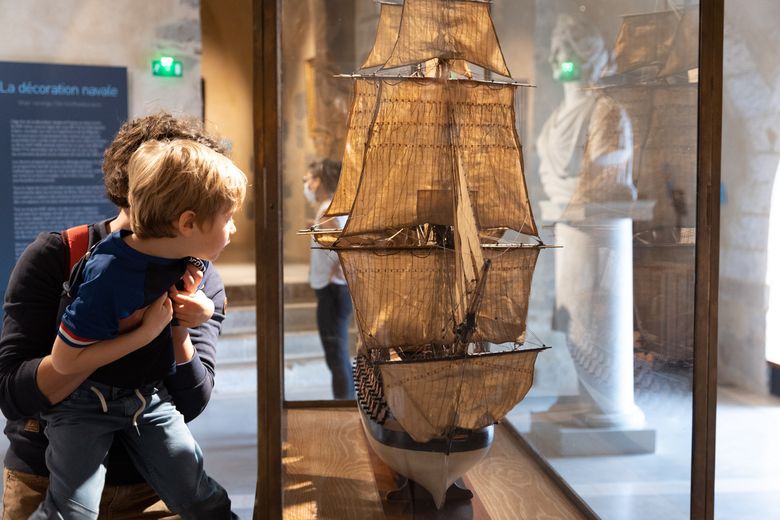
(214, 236)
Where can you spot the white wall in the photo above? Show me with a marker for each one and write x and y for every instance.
(750, 156)
(126, 33)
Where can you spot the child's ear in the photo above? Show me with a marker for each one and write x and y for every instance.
(186, 223)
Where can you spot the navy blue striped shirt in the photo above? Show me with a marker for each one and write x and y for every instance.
(118, 280)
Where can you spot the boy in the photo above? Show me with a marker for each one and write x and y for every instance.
(182, 197)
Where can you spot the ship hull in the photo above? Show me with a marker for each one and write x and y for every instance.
(435, 464)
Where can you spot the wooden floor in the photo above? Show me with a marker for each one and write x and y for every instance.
(331, 473)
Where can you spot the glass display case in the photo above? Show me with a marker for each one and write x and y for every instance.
(593, 160)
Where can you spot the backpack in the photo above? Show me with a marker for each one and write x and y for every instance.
(76, 240)
(78, 246)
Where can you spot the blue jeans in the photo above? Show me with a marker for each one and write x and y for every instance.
(334, 309)
(80, 432)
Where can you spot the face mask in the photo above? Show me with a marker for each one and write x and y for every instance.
(310, 195)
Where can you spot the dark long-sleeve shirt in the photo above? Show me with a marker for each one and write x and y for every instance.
(32, 305)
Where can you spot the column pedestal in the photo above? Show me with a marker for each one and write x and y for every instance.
(594, 309)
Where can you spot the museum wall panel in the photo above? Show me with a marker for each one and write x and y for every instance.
(90, 32)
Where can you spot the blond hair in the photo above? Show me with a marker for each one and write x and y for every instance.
(168, 178)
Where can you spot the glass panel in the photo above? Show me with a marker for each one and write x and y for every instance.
(611, 160)
(747, 456)
(440, 197)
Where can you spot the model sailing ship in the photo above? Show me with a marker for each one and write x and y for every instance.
(432, 179)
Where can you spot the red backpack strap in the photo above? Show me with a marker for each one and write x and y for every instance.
(77, 240)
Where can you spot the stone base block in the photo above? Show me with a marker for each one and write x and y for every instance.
(572, 439)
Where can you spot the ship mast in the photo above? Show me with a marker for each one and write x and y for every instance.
(470, 266)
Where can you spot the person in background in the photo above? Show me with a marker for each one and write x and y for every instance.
(334, 306)
(29, 384)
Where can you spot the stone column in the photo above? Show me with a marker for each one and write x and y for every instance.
(594, 309)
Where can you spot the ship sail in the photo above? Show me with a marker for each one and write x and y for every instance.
(360, 118)
(684, 54)
(421, 394)
(452, 30)
(386, 35)
(644, 39)
(469, 259)
(407, 171)
(364, 104)
(404, 297)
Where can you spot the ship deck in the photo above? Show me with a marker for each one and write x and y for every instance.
(334, 474)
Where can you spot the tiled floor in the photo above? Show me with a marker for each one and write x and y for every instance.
(657, 486)
(227, 433)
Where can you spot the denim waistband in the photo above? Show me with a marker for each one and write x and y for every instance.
(116, 392)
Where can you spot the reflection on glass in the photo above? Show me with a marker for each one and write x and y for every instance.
(617, 169)
(318, 42)
(326, 278)
(592, 201)
(569, 170)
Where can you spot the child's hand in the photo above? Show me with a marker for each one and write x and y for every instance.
(131, 322)
(156, 317)
(191, 309)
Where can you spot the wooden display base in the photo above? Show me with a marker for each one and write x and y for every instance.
(331, 472)
(404, 499)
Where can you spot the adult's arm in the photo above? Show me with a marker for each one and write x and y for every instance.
(192, 383)
(73, 360)
(32, 298)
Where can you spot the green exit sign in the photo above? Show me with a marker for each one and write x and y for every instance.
(569, 71)
(167, 66)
